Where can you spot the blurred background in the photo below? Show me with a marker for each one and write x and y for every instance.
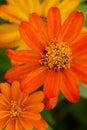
(65, 116)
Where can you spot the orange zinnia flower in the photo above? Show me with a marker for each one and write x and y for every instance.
(19, 111)
(58, 58)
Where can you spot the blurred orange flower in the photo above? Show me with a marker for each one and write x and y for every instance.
(58, 58)
(16, 11)
(19, 111)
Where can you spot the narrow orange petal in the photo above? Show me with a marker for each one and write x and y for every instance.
(2, 106)
(81, 71)
(4, 114)
(50, 103)
(36, 97)
(34, 80)
(6, 91)
(10, 125)
(23, 56)
(26, 123)
(38, 107)
(19, 72)
(72, 27)
(52, 84)
(3, 123)
(40, 26)
(54, 23)
(18, 126)
(3, 100)
(32, 37)
(46, 5)
(69, 86)
(31, 115)
(40, 124)
(79, 47)
(15, 90)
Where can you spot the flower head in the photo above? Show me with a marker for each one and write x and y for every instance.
(16, 11)
(57, 59)
(19, 111)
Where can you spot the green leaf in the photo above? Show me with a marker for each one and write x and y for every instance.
(60, 98)
(3, 21)
(4, 64)
(83, 7)
(47, 115)
(83, 90)
(41, 1)
(83, 1)
(2, 2)
(79, 110)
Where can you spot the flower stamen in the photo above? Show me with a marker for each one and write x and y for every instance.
(15, 110)
(58, 55)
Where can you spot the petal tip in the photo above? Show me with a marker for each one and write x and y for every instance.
(50, 103)
(75, 99)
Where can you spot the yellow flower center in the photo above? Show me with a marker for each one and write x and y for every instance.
(58, 56)
(15, 110)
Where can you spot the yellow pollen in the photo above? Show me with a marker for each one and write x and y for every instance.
(15, 110)
(58, 55)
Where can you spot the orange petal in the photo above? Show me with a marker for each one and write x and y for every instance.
(6, 91)
(4, 114)
(70, 87)
(34, 80)
(38, 107)
(18, 125)
(50, 103)
(52, 84)
(34, 98)
(4, 101)
(23, 56)
(31, 115)
(32, 37)
(40, 26)
(10, 125)
(26, 123)
(81, 71)
(15, 90)
(46, 5)
(3, 106)
(79, 47)
(3, 123)
(54, 23)
(40, 124)
(72, 27)
(18, 72)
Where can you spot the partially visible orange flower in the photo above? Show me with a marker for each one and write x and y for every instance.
(16, 11)
(58, 58)
(19, 111)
